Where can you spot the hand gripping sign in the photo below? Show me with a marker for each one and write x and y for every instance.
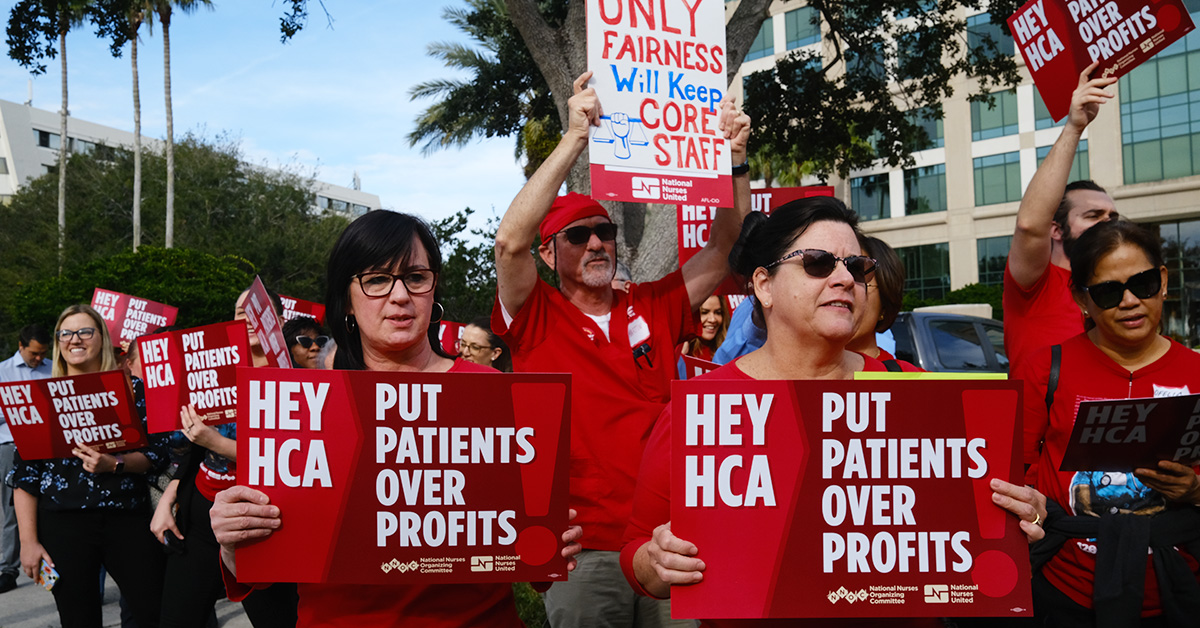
(659, 71)
(401, 478)
(865, 498)
(1058, 39)
(128, 317)
(49, 416)
(193, 366)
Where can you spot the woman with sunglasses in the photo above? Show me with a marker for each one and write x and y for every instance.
(304, 340)
(79, 514)
(383, 313)
(1118, 279)
(480, 345)
(885, 296)
(809, 281)
(207, 459)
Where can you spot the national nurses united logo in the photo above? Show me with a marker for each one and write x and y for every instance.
(850, 596)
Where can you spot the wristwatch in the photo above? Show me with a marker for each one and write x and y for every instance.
(120, 463)
(744, 168)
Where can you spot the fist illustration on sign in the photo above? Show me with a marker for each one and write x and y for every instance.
(619, 122)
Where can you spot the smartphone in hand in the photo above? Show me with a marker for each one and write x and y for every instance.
(47, 576)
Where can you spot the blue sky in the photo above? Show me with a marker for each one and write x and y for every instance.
(333, 99)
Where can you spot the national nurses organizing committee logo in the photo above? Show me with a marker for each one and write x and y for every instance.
(396, 565)
(937, 594)
(646, 187)
(845, 594)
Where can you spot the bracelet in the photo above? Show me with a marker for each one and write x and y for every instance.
(744, 168)
(120, 468)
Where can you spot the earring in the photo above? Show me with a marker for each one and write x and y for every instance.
(1085, 314)
(441, 311)
(351, 324)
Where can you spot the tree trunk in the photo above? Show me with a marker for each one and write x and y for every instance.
(647, 240)
(137, 139)
(165, 20)
(64, 148)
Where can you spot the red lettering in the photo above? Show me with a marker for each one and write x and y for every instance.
(652, 51)
(717, 54)
(692, 12)
(608, 44)
(672, 46)
(612, 21)
(646, 122)
(705, 115)
(627, 49)
(662, 5)
(701, 61)
(689, 119)
(687, 55)
(636, 6)
(672, 108)
(663, 158)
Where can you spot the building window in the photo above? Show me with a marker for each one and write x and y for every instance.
(870, 64)
(339, 206)
(322, 202)
(993, 254)
(802, 27)
(46, 139)
(925, 190)
(931, 122)
(998, 178)
(1181, 252)
(870, 197)
(359, 210)
(927, 269)
(926, 6)
(1041, 115)
(1079, 167)
(1160, 113)
(764, 44)
(980, 28)
(996, 121)
(3, 165)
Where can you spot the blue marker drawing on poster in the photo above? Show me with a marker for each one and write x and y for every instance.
(622, 132)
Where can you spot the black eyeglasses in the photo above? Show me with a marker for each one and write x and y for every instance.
(416, 281)
(820, 264)
(606, 231)
(307, 341)
(1108, 294)
(64, 335)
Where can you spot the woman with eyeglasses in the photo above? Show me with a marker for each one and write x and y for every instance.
(207, 459)
(383, 313)
(304, 340)
(79, 514)
(1129, 528)
(885, 296)
(804, 266)
(479, 345)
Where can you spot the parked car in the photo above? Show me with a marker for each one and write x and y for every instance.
(943, 342)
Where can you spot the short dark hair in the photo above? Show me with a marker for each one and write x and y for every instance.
(504, 362)
(765, 239)
(889, 279)
(1064, 205)
(379, 239)
(1104, 238)
(32, 332)
(298, 327)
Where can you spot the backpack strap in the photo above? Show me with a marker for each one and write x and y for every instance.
(1052, 384)
(893, 366)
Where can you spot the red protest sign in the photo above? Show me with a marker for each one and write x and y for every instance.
(867, 498)
(388, 478)
(293, 308)
(128, 317)
(448, 335)
(267, 326)
(659, 73)
(695, 367)
(48, 416)
(1059, 39)
(1128, 434)
(196, 366)
(695, 221)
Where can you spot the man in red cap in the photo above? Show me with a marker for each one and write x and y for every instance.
(618, 344)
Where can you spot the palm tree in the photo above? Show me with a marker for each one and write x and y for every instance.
(164, 9)
(137, 15)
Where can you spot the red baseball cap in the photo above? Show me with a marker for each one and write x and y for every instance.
(566, 210)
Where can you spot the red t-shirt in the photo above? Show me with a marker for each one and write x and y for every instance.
(1086, 373)
(905, 367)
(614, 399)
(1041, 315)
(652, 508)
(423, 606)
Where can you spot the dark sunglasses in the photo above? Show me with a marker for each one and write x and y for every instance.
(1108, 294)
(606, 231)
(307, 342)
(820, 264)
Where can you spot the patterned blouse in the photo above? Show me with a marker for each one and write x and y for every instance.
(62, 484)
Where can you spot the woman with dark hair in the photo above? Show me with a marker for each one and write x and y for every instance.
(383, 313)
(710, 333)
(91, 511)
(885, 297)
(305, 340)
(1142, 525)
(804, 266)
(480, 345)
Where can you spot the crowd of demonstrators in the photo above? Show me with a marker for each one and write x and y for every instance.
(305, 338)
(620, 345)
(1038, 308)
(206, 459)
(383, 312)
(885, 299)
(91, 511)
(29, 362)
(479, 344)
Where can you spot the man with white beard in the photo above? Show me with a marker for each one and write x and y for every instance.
(619, 344)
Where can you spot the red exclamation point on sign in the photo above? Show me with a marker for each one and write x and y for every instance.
(539, 406)
(988, 415)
